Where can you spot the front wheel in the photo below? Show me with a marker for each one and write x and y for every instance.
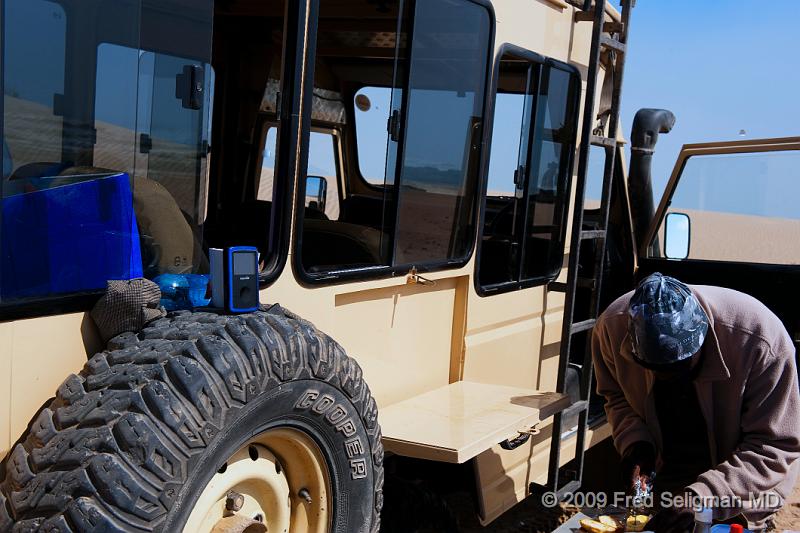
(204, 423)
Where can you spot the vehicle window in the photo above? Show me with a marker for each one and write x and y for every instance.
(266, 178)
(501, 244)
(33, 78)
(172, 127)
(361, 236)
(731, 199)
(79, 206)
(443, 129)
(530, 166)
(551, 163)
(372, 107)
(252, 157)
(322, 165)
(594, 178)
(115, 107)
(427, 165)
(68, 224)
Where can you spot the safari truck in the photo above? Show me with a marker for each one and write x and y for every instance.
(414, 177)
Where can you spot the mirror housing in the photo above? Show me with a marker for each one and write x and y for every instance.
(677, 235)
(316, 193)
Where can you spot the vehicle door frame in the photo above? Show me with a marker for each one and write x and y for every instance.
(714, 148)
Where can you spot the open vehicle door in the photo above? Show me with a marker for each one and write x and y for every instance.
(730, 217)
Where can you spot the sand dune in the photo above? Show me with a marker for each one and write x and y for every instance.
(34, 135)
(745, 238)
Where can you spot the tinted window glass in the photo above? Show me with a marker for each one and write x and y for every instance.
(416, 133)
(501, 243)
(528, 185)
(253, 154)
(359, 236)
(173, 127)
(322, 163)
(115, 107)
(732, 199)
(79, 205)
(372, 106)
(321, 155)
(551, 166)
(594, 177)
(174, 91)
(68, 223)
(267, 175)
(33, 78)
(442, 131)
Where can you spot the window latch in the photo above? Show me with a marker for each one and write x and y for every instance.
(519, 176)
(413, 278)
(393, 126)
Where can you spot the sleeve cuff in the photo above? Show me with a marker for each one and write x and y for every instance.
(706, 493)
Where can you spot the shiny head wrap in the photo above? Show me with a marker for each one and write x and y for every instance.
(666, 323)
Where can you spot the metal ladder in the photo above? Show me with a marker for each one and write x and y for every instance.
(591, 135)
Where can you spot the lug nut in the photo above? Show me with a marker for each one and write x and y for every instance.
(234, 501)
(305, 495)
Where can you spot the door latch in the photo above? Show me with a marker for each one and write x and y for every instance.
(522, 438)
(413, 278)
(393, 126)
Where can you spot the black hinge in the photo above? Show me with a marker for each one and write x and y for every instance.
(393, 126)
(145, 143)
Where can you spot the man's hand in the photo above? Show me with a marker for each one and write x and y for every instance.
(638, 462)
(672, 520)
(675, 519)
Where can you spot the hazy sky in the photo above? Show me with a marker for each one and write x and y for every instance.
(720, 65)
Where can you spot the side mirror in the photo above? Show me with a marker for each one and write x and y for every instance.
(677, 235)
(316, 193)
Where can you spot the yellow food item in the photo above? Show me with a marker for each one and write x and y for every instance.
(636, 523)
(611, 522)
(594, 526)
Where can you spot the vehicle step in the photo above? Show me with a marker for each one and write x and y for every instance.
(605, 142)
(593, 234)
(577, 407)
(583, 325)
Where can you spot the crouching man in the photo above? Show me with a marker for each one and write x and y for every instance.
(701, 389)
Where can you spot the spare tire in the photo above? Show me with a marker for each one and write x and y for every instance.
(148, 426)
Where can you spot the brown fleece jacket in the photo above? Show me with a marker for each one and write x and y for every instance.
(747, 389)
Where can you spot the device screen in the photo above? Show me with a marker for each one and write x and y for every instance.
(243, 264)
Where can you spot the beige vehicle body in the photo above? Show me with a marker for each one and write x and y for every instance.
(454, 372)
(455, 369)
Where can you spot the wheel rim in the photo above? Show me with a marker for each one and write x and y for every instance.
(284, 484)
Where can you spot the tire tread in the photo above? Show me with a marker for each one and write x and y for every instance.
(126, 430)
